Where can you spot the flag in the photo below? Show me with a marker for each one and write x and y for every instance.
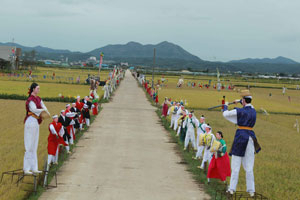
(101, 60)
(218, 75)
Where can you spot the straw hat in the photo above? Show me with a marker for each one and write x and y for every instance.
(245, 93)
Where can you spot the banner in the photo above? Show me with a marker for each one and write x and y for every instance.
(101, 60)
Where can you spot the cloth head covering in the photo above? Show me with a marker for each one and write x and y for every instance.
(54, 116)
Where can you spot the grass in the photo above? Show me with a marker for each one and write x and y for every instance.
(62, 75)
(47, 89)
(277, 165)
(12, 142)
(12, 127)
(62, 158)
(198, 98)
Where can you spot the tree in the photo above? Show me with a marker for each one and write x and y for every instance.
(4, 64)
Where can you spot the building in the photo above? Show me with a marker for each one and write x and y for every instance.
(11, 54)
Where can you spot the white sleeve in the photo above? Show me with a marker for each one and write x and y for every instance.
(212, 139)
(231, 116)
(33, 109)
(70, 114)
(169, 111)
(184, 123)
(52, 129)
(62, 131)
(196, 122)
(43, 105)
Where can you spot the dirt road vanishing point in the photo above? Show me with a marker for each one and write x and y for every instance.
(125, 155)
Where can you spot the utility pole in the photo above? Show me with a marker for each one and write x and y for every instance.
(153, 68)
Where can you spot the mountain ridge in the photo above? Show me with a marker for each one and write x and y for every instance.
(277, 60)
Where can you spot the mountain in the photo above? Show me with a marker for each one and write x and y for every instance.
(278, 60)
(168, 56)
(39, 49)
(136, 50)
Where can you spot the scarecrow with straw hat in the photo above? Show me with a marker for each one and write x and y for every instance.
(245, 144)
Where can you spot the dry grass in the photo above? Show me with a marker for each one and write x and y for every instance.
(47, 89)
(205, 98)
(277, 165)
(12, 142)
(61, 75)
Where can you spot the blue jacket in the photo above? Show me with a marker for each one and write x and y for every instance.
(245, 117)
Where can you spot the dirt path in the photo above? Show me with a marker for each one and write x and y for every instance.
(125, 155)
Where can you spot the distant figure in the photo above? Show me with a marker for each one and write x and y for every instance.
(78, 79)
(223, 102)
(289, 98)
(297, 88)
(219, 86)
(283, 90)
(180, 82)
(270, 94)
(165, 107)
(30, 73)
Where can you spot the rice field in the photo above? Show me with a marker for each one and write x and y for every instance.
(47, 89)
(13, 113)
(12, 143)
(276, 168)
(277, 165)
(54, 75)
(269, 99)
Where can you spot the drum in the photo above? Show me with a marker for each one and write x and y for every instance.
(207, 139)
(44, 115)
(215, 146)
(201, 140)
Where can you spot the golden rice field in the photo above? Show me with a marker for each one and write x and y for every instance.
(47, 89)
(63, 75)
(205, 98)
(277, 166)
(232, 79)
(12, 143)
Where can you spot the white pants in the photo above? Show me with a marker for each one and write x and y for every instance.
(173, 117)
(179, 129)
(248, 164)
(207, 156)
(53, 159)
(31, 141)
(190, 136)
(199, 151)
(199, 148)
(176, 123)
(71, 134)
(87, 121)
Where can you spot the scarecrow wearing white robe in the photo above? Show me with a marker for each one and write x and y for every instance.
(190, 123)
(34, 108)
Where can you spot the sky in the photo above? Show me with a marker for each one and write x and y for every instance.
(215, 30)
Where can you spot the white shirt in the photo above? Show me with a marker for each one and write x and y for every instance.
(35, 110)
(187, 123)
(53, 131)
